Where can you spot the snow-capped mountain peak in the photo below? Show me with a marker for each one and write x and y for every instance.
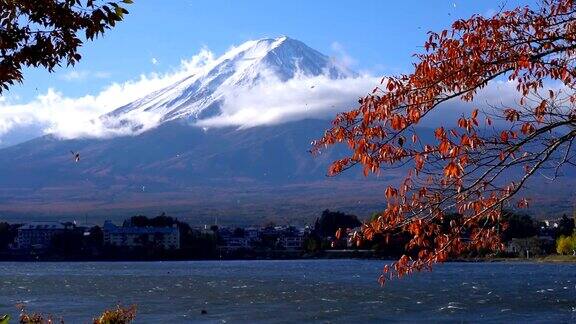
(200, 95)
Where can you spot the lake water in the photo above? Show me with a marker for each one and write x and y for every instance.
(291, 291)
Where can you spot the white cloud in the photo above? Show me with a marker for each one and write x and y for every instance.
(154, 61)
(270, 102)
(495, 95)
(78, 75)
(342, 57)
(490, 101)
(273, 102)
(65, 117)
(102, 74)
(490, 13)
(75, 75)
(68, 117)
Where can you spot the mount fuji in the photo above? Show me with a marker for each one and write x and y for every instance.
(178, 157)
(201, 95)
(168, 163)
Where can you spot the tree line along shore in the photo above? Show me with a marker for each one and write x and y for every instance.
(166, 238)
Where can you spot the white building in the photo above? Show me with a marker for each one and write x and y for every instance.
(38, 235)
(292, 239)
(234, 243)
(252, 234)
(131, 236)
(292, 242)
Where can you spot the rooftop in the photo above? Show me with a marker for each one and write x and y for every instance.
(42, 225)
(113, 228)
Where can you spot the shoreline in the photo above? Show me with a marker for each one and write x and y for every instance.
(564, 259)
(540, 259)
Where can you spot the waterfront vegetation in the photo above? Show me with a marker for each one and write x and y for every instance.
(566, 245)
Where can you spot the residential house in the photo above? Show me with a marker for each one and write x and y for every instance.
(531, 246)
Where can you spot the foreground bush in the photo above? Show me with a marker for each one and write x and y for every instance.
(118, 315)
(566, 244)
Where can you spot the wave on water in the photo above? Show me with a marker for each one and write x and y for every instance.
(452, 306)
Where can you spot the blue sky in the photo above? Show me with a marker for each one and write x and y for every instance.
(376, 36)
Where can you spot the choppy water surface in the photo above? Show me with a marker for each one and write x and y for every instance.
(290, 291)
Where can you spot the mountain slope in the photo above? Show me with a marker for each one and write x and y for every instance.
(199, 95)
(256, 172)
(249, 175)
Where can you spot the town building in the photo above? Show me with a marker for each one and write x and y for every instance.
(230, 240)
(291, 238)
(352, 238)
(38, 235)
(274, 237)
(252, 234)
(292, 242)
(234, 243)
(132, 236)
(531, 246)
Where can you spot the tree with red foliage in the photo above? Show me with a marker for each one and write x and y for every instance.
(466, 168)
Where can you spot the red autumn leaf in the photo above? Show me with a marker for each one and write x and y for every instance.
(467, 172)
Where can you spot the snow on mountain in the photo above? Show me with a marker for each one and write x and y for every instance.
(200, 95)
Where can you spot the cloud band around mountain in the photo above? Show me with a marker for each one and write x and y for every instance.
(270, 101)
(273, 101)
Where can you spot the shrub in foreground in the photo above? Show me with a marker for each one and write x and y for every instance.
(566, 244)
(118, 315)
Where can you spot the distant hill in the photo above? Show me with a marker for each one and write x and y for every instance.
(257, 172)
